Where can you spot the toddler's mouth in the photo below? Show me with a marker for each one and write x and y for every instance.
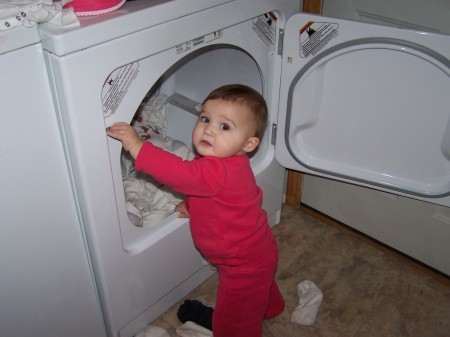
(205, 143)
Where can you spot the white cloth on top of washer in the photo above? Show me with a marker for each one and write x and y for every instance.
(27, 13)
(148, 201)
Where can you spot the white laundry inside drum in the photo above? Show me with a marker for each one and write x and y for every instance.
(147, 201)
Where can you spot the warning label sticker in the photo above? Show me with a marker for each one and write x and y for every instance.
(116, 86)
(185, 47)
(316, 35)
(265, 26)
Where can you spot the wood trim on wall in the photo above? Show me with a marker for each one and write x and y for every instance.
(312, 6)
(294, 180)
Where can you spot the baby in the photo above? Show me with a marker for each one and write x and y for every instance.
(223, 202)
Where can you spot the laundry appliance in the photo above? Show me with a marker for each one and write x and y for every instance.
(155, 61)
(46, 287)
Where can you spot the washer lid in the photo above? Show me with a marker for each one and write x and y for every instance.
(366, 104)
(18, 37)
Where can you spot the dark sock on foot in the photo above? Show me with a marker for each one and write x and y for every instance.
(195, 311)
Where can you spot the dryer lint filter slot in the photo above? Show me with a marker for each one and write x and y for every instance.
(185, 103)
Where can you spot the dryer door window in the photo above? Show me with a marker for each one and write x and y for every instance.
(366, 104)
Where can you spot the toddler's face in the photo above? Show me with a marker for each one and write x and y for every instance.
(224, 129)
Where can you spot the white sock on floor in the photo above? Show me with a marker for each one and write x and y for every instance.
(190, 329)
(310, 298)
(152, 331)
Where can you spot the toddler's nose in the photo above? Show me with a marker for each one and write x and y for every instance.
(208, 129)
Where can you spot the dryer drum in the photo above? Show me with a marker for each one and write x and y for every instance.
(166, 117)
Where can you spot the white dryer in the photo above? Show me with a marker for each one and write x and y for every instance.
(101, 73)
(182, 50)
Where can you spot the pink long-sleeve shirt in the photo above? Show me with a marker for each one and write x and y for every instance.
(223, 199)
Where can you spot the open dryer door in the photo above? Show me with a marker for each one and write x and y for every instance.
(366, 104)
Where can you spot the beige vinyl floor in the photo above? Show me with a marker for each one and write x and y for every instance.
(368, 291)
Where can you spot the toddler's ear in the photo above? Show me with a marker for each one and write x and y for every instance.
(251, 144)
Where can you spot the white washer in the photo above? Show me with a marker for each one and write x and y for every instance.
(182, 51)
(47, 287)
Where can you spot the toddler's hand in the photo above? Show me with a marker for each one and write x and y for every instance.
(181, 207)
(124, 132)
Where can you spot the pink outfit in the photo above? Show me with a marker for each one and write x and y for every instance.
(94, 7)
(230, 229)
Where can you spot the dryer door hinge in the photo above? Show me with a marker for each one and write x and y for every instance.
(280, 41)
(274, 134)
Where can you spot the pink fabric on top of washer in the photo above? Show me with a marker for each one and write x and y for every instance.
(94, 7)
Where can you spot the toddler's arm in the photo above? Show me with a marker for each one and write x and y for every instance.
(124, 132)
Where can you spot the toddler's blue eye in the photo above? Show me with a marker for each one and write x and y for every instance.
(224, 127)
(204, 119)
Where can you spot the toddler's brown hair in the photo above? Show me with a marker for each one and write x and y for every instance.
(247, 96)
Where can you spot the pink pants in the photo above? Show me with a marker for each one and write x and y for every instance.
(247, 293)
